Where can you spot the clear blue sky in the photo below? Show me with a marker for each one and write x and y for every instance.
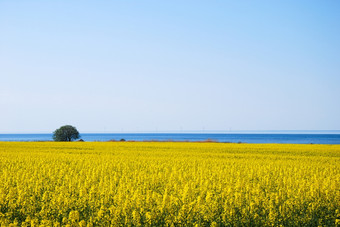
(169, 65)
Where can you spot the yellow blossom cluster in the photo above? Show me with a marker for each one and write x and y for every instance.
(168, 184)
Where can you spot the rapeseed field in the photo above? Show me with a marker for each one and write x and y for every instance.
(168, 184)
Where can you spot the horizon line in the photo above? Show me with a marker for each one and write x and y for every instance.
(333, 131)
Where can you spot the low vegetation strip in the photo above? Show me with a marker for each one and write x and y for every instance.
(168, 184)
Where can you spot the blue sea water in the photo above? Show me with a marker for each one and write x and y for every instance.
(292, 138)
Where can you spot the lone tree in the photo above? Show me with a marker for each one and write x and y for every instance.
(66, 133)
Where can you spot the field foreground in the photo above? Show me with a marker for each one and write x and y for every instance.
(164, 184)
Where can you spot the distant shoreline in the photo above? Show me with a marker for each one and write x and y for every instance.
(253, 138)
(165, 141)
(194, 132)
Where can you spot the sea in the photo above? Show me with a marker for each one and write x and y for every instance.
(310, 137)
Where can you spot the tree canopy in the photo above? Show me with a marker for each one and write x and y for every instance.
(66, 133)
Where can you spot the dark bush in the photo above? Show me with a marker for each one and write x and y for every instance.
(66, 133)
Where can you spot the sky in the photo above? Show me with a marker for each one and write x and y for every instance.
(136, 66)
